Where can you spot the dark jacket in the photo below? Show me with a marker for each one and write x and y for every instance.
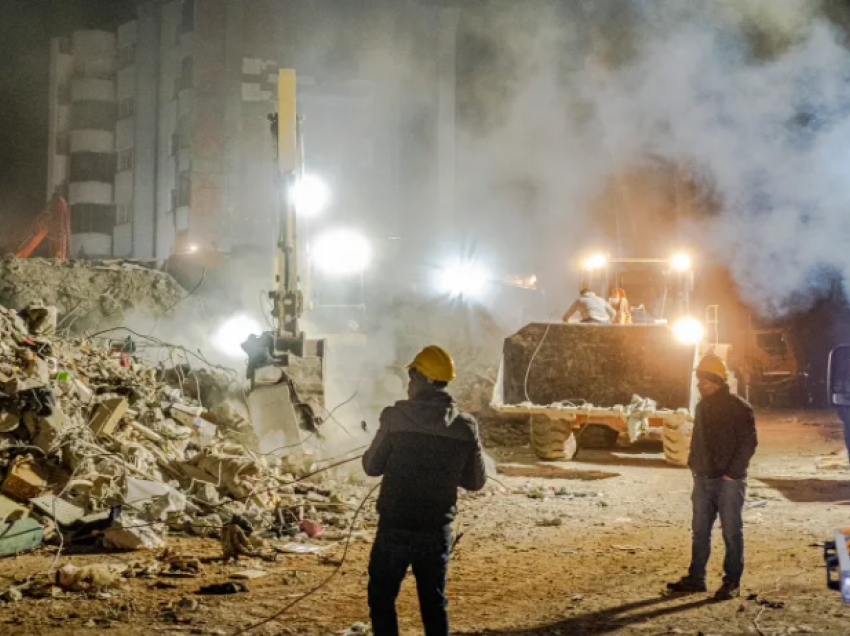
(724, 438)
(425, 449)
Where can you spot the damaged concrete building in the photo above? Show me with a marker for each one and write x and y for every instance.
(158, 129)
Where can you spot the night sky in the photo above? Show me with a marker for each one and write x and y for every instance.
(26, 27)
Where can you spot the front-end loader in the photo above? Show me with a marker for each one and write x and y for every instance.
(594, 385)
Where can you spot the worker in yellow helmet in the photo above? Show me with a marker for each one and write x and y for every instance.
(724, 441)
(424, 449)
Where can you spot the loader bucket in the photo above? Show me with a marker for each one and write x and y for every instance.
(605, 365)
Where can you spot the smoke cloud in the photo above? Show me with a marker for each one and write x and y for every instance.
(750, 99)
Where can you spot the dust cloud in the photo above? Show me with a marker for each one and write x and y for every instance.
(751, 99)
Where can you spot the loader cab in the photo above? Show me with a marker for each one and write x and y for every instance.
(661, 286)
(769, 366)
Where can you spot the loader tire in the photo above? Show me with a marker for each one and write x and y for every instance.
(552, 440)
(597, 436)
(677, 442)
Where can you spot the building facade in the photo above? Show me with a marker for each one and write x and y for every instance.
(158, 130)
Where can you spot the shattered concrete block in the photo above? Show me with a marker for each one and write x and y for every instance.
(134, 533)
(25, 480)
(107, 414)
(49, 429)
(209, 526)
(90, 577)
(145, 432)
(83, 391)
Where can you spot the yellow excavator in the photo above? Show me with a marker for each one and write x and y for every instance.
(286, 369)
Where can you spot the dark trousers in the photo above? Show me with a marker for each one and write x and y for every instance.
(713, 497)
(428, 555)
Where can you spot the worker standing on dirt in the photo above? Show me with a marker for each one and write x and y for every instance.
(724, 441)
(591, 308)
(425, 449)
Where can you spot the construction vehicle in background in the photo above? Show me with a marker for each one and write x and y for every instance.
(592, 386)
(285, 368)
(53, 224)
(767, 366)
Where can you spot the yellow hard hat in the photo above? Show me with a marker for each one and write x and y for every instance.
(713, 364)
(434, 363)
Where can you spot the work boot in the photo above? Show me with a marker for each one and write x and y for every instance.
(727, 592)
(687, 585)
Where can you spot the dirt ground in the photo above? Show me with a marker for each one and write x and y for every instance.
(576, 548)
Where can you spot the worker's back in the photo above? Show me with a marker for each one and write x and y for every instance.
(427, 450)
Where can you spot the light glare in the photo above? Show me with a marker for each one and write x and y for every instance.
(342, 252)
(311, 195)
(688, 331)
(681, 262)
(597, 261)
(463, 279)
(232, 333)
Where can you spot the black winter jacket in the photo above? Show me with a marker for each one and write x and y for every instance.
(425, 449)
(724, 438)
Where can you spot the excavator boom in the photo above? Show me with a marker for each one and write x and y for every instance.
(54, 224)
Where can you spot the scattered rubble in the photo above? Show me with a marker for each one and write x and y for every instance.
(86, 294)
(96, 446)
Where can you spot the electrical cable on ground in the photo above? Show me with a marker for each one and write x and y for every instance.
(534, 355)
(327, 580)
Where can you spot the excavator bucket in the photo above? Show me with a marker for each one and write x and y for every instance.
(604, 365)
(287, 401)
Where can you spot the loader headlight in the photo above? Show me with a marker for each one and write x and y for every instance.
(232, 333)
(342, 252)
(688, 331)
(681, 262)
(597, 261)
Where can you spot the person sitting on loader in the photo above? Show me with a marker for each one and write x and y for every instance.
(591, 308)
(620, 304)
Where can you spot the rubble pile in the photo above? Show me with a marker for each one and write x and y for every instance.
(87, 294)
(95, 445)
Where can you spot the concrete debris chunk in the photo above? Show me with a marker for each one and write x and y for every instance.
(90, 578)
(25, 480)
(107, 414)
(134, 533)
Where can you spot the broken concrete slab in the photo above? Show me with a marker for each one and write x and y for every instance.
(107, 414)
(20, 536)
